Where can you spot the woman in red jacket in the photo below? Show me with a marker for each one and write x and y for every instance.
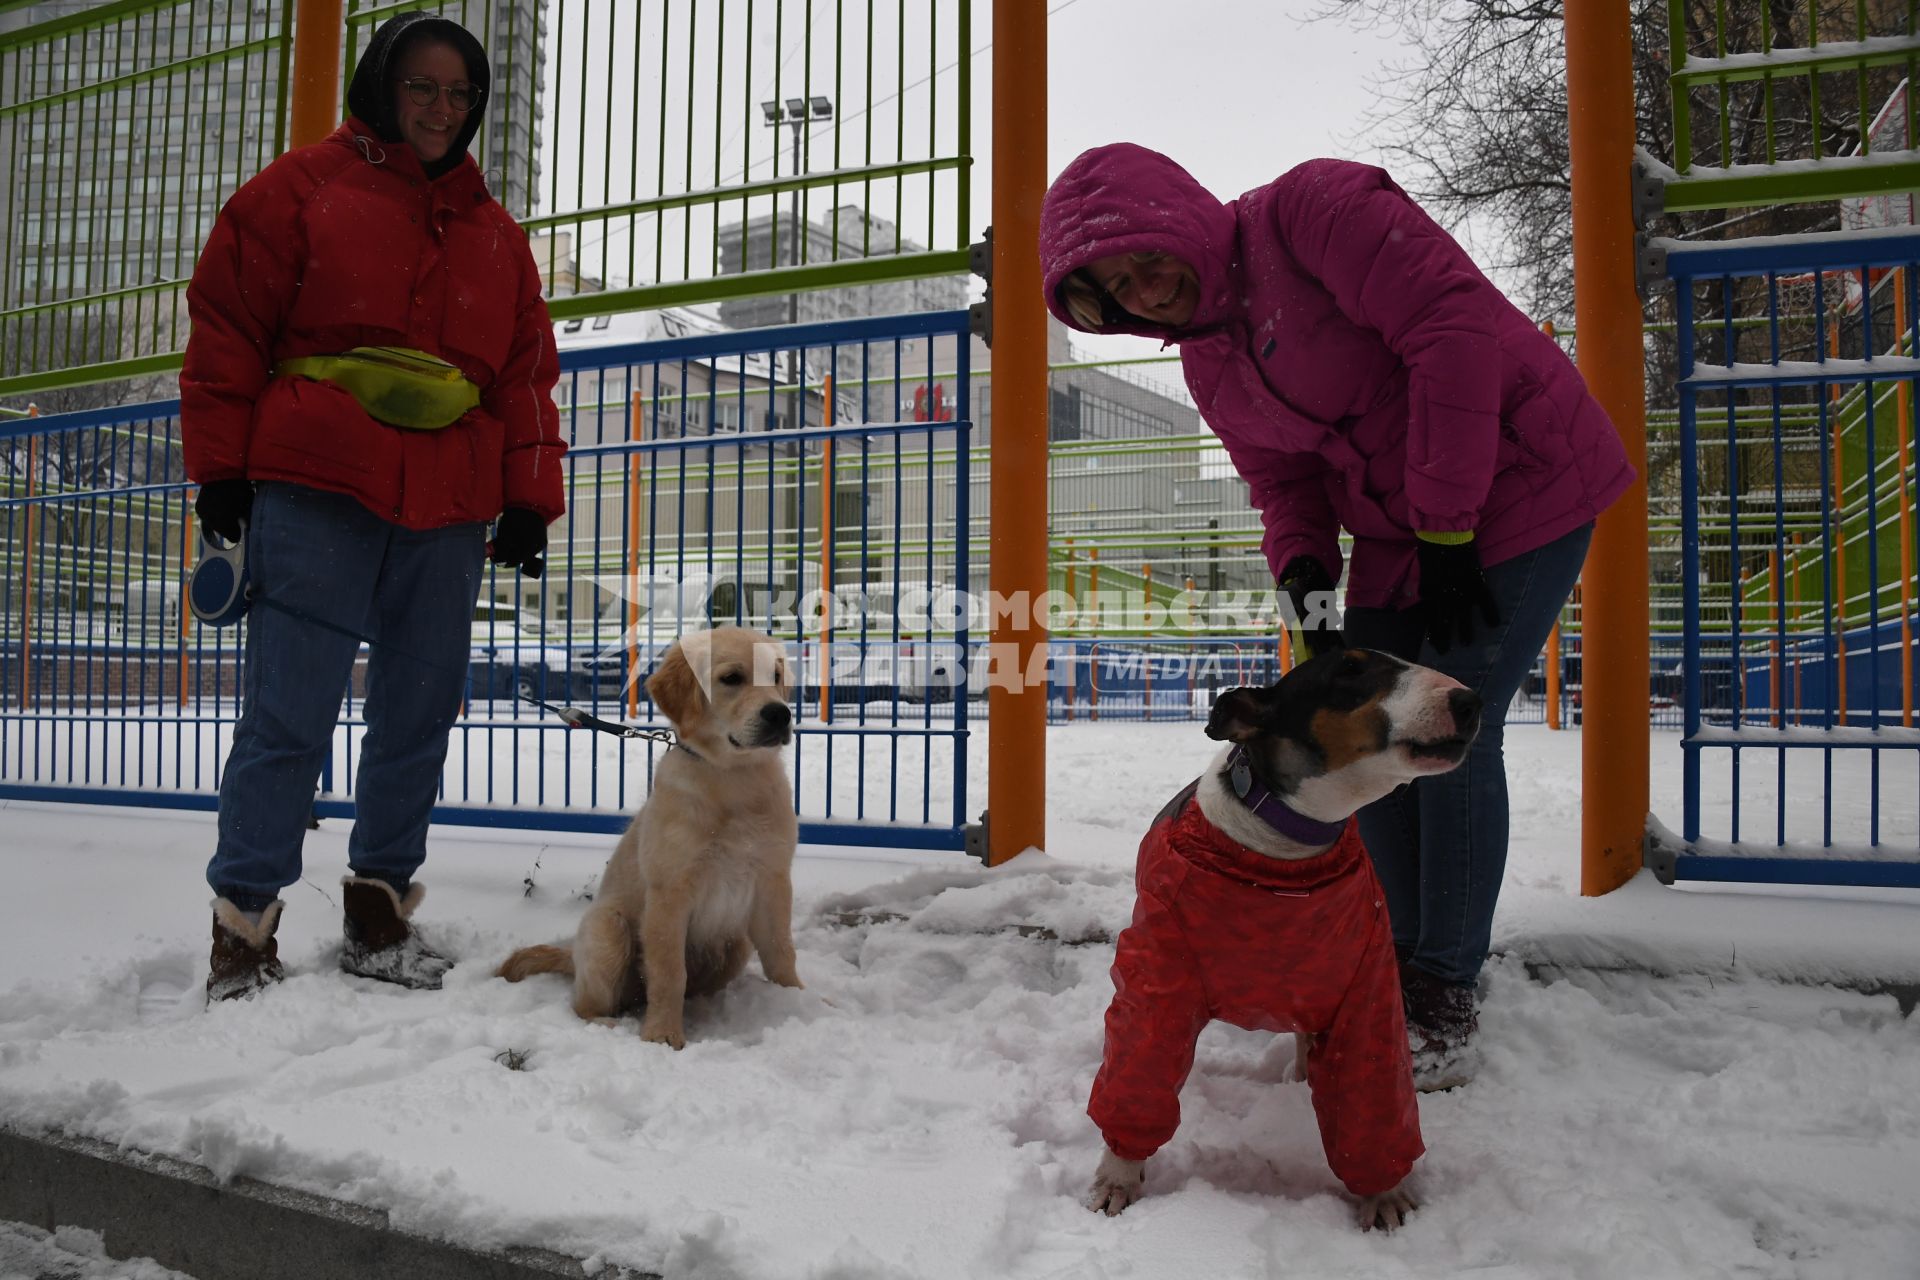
(367, 385)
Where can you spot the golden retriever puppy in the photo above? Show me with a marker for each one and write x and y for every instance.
(705, 869)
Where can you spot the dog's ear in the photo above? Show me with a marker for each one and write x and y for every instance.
(1238, 714)
(675, 689)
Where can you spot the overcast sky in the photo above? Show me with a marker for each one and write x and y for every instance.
(1238, 91)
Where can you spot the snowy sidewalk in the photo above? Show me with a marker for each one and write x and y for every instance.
(917, 1111)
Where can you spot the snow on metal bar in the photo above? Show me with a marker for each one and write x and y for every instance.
(1796, 372)
(1782, 61)
(1894, 737)
(1814, 250)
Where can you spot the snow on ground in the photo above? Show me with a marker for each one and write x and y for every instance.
(69, 1254)
(917, 1110)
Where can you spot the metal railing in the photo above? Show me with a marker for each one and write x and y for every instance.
(127, 125)
(792, 160)
(777, 514)
(679, 152)
(1808, 92)
(1777, 678)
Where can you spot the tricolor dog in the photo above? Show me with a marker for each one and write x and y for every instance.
(1256, 905)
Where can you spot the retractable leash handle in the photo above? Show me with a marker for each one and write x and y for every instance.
(219, 593)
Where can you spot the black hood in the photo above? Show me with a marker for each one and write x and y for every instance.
(370, 94)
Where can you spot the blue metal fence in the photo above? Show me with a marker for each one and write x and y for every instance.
(768, 478)
(1171, 677)
(1770, 517)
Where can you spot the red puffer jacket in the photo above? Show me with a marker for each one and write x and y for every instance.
(1220, 931)
(348, 243)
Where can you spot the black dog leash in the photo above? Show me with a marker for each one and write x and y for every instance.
(575, 718)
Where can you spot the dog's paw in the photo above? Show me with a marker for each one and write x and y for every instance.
(1117, 1183)
(1387, 1210)
(673, 1037)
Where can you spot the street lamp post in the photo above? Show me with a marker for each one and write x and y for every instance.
(796, 114)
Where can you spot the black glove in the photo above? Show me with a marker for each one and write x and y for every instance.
(1452, 591)
(518, 539)
(222, 505)
(1302, 578)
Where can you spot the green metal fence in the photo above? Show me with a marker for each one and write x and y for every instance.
(123, 127)
(745, 152)
(691, 152)
(1757, 86)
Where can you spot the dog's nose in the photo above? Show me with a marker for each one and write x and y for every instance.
(1465, 705)
(780, 716)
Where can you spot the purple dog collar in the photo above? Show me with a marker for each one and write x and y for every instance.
(1274, 811)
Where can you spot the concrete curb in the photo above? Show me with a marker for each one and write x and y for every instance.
(182, 1217)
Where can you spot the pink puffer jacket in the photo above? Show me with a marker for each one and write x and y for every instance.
(1360, 370)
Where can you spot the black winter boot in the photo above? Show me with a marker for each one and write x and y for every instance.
(380, 942)
(1440, 1027)
(245, 957)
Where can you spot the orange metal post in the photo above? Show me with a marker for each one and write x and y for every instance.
(636, 431)
(1904, 392)
(826, 563)
(314, 108)
(1607, 316)
(1553, 677)
(1017, 538)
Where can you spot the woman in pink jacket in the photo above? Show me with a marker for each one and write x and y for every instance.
(1364, 375)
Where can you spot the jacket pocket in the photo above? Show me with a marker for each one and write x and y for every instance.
(1515, 449)
(1530, 422)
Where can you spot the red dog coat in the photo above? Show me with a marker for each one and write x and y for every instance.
(1220, 931)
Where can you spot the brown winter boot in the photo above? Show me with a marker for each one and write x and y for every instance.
(380, 942)
(246, 957)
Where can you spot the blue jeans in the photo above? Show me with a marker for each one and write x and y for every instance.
(1439, 844)
(319, 561)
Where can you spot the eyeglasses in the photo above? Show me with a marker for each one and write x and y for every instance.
(425, 90)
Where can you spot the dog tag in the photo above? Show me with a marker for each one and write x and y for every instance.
(1241, 776)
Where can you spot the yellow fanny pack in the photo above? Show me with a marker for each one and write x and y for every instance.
(395, 385)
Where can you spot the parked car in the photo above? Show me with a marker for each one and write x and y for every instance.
(512, 657)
